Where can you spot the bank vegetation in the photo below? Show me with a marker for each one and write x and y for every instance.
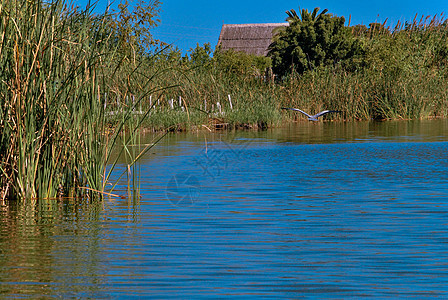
(74, 84)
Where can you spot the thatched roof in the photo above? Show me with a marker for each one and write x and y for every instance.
(249, 38)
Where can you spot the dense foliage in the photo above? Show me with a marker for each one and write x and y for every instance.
(312, 40)
(59, 67)
(372, 72)
(315, 40)
(229, 61)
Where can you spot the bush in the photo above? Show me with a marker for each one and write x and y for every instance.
(241, 63)
(312, 40)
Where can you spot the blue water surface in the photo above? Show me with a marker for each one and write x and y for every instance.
(307, 211)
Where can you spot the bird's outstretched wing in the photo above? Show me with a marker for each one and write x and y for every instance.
(326, 112)
(296, 109)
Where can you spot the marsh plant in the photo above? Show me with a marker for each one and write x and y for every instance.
(56, 65)
(373, 72)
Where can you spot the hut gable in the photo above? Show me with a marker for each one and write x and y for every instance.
(249, 38)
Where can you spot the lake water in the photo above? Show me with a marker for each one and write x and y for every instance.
(310, 210)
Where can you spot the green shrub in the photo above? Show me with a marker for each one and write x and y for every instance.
(312, 40)
(240, 63)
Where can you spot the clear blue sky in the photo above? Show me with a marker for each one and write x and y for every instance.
(185, 23)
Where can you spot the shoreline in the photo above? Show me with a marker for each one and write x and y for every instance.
(225, 126)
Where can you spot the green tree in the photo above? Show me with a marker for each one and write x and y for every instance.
(131, 25)
(312, 40)
(200, 56)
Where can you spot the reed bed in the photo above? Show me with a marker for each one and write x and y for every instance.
(367, 94)
(55, 64)
(402, 74)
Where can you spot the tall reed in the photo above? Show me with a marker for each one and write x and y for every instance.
(55, 66)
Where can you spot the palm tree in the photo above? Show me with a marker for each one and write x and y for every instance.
(305, 15)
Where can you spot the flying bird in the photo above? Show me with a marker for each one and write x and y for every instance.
(313, 118)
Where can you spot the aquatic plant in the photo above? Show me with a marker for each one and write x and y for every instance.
(55, 66)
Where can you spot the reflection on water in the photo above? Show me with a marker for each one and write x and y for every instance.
(326, 210)
(50, 250)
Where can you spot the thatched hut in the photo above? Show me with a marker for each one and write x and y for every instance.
(249, 38)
